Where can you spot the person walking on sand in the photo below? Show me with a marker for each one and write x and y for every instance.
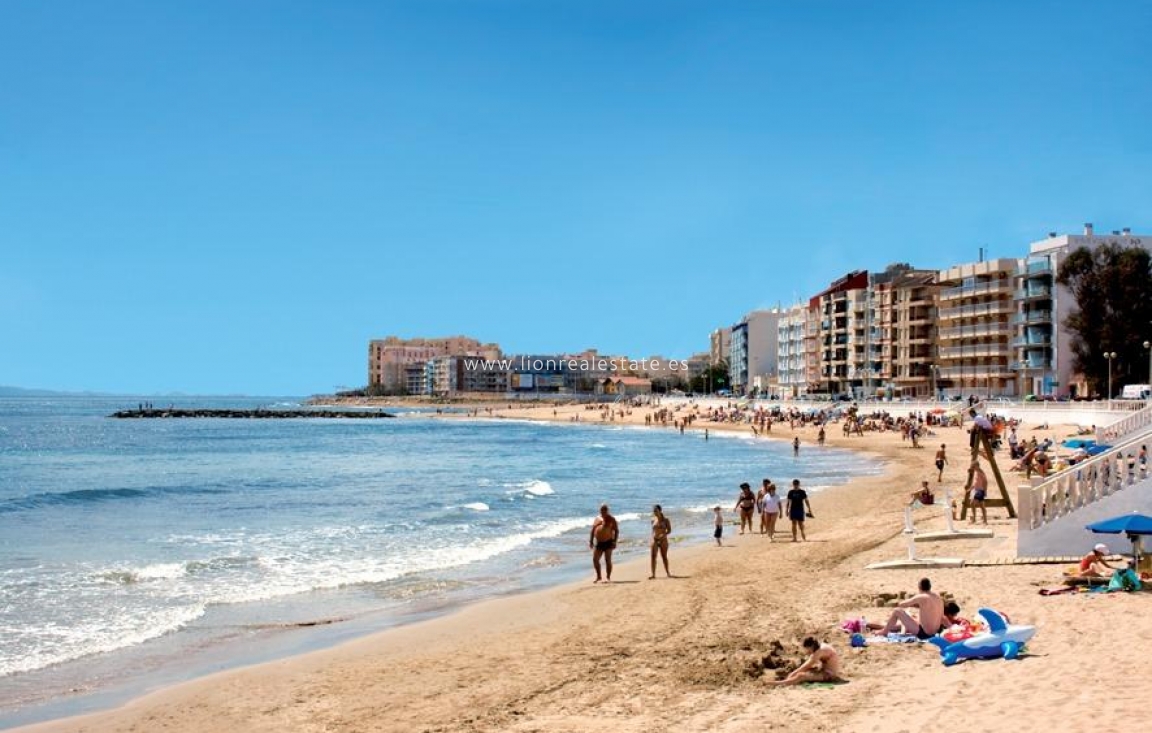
(941, 461)
(769, 510)
(979, 492)
(661, 528)
(602, 540)
(822, 665)
(798, 508)
(746, 504)
(719, 531)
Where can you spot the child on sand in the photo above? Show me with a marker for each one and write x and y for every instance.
(822, 665)
(719, 531)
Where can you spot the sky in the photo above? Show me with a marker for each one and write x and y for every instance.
(235, 197)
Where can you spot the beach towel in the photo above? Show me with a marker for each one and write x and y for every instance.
(1057, 591)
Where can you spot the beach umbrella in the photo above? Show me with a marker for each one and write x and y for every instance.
(1134, 525)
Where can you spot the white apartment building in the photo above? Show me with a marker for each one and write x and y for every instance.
(752, 355)
(791, 366)
(1043, 347)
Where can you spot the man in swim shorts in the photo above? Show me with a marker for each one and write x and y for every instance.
(602, 540)
(930, 608)
(941, 461)
(979, 492)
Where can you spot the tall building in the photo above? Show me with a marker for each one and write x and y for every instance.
(903, 330)
(1043, 347)
(975, 321)
(388, 358)
(844, 357)
(752, 354)
(719, 344)
(791, 366)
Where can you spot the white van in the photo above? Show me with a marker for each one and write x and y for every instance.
(1136, 392)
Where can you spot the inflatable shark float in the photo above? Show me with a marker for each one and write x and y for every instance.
(1000, 640)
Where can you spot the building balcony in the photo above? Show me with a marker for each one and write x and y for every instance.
(978, 329)
(1032, 317)
(1034, 269)
(976, 371)
(1033, 293)
(973, 351)
(977, 309)
(979, 288)
(1032, 365)
(1031, 341)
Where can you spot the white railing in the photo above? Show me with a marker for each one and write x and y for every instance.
(1081, 485)
(1139, 419)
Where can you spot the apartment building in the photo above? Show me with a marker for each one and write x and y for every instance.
(841, 338)
(389, 357)
(903, 331)
(719, 345)
(1043, 347)
(976, 317)
(791, 364)
(752, 354)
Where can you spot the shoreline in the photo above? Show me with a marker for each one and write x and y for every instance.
(246, 652)
(712, 624)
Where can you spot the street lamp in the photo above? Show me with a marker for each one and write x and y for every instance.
(1109, 355)
(1148, 345)
(932, 373)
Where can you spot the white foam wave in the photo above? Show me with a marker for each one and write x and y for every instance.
(477, 506)
(61, 643)
(598, 446)
(535, 487)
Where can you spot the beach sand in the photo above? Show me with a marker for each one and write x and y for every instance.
(684, 654)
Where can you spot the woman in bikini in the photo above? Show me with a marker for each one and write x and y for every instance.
(661, 528)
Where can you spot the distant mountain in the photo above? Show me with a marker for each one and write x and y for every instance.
(22, 392)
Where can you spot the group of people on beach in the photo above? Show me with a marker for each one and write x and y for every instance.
(605, 533)
(768, 504)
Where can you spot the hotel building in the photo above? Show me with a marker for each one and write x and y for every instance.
(976, 318)
(904, 331)
(840, 333)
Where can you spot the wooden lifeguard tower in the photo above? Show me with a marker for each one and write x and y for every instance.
(981, 439)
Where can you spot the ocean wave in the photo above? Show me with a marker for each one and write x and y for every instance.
(90, 496)
(60, 644)
(476, 506)
(534, 487)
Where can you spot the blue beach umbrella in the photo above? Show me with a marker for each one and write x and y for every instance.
(1134, 525)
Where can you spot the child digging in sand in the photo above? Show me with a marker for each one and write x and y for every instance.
(822, 665)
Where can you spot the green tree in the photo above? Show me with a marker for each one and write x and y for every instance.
(715, 377)
(1112, 287)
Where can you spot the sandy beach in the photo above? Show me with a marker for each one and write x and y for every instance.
(685, 654)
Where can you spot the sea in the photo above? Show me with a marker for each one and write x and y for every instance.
(136, 553)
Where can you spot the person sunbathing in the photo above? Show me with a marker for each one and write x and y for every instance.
(928, 605)
(1095, 563)
(822, 665)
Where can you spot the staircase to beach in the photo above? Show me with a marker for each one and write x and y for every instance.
(1053, 513)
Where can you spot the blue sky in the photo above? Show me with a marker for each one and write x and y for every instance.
(222, 197)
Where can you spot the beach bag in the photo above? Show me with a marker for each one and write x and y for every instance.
(1124, 580)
